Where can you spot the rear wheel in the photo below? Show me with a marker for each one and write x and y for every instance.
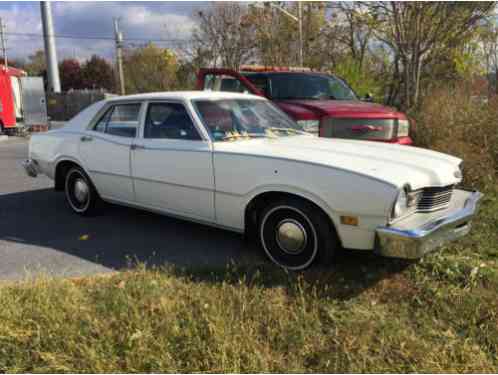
(296, 234)
(80, 192)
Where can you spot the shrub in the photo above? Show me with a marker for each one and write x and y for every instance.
(453, 121)
(360, 79)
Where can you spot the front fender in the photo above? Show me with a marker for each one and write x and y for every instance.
(241, 178)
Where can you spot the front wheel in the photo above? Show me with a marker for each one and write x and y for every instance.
(295, 234)
(80, 193)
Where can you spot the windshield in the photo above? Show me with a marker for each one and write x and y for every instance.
(310, 87)
(232, 119)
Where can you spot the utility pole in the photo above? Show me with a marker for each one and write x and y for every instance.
(118, 35)
(54, 83)
(300, 22)
(4, 48)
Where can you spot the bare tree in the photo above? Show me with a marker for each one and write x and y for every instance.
(417, 32)
(225, 35)
(350, 28)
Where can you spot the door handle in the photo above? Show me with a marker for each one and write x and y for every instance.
(86, 138)
(137, 147)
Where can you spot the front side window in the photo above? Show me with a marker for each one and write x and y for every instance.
(120, 120)
(233, 119)
(306, 86)
(170, 121)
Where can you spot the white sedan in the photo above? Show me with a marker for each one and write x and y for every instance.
(236, 161)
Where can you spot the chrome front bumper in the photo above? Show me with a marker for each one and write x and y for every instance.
(30, 167)
(422, 233)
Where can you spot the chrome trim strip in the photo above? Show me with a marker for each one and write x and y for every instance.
(152, 180)
(414, 243)
(145, 147)
(173, 184)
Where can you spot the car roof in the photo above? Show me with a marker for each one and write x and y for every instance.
(185, 95)
(251, 74)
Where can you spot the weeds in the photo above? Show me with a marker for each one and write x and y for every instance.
(365, 314)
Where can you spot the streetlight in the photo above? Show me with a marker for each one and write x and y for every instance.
(298, 19)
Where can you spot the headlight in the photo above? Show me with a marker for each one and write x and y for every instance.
(403, 128)
(310, 126)
(401, 205)
(459, 172)
(406, 202)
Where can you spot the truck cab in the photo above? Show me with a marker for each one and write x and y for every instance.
(22, 100)
(323, 104)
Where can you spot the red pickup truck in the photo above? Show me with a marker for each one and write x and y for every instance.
(324, 104)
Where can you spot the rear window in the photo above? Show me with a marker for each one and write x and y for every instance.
(120, 120)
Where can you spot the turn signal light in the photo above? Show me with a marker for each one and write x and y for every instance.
(349, 220)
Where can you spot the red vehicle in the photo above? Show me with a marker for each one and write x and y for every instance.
(22, 100)
(324, 104)
(10, 109)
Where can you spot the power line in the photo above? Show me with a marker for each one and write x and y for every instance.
(110, 38)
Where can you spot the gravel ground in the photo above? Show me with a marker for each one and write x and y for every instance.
(39, 234)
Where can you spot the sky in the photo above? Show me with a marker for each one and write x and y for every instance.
(141, 21)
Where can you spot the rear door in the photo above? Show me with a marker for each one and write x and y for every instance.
(32, 101)
(172, 163)
(105, 150)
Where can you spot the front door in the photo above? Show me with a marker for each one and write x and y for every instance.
(172, 165)
(105, 150)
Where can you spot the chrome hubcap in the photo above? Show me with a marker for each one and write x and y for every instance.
(291, 236)
(80, 190)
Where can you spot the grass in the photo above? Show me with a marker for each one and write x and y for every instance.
(366, 314)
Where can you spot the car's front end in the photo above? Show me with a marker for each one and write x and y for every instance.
(426, 219)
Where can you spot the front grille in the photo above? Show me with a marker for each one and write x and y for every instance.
(434, 198)
(357, 128)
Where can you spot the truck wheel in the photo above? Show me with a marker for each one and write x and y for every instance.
(80, 192)
(295, 234)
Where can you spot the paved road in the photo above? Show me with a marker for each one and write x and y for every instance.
(38, 233)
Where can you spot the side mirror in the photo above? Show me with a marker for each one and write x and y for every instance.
(368, 98)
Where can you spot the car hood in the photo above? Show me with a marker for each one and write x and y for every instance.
(339, 108)
(394, 164)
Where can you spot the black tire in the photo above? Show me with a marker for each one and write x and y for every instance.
(80, 193)
(295, 234)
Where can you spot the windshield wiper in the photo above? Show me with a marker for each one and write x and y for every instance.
(235, 135)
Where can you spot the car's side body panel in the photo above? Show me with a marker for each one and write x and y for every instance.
(175, 175)
(336, 192)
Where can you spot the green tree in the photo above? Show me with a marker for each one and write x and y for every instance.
(36, 65)
(98, 74)
(150, 68)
